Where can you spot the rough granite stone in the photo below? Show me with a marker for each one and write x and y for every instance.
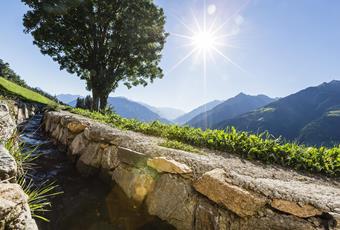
(216, 187)
(163, 164)
(300, 210)
(131, 157)
(173, 200)
(136, 183)
(8, 165)
(14, 211)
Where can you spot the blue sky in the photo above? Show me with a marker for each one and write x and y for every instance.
(279, 47)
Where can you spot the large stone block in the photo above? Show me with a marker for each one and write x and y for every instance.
(214, 184)
(90, 159)
(78, 144)
(104, 133)
(173, 200)
(131, 157)
(136, 183)
(74, 124)
(162, 164)
(206, 216)
(8, 165)
(300, 210)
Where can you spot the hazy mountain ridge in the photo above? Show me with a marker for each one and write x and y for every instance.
(165, 112)
(230, 108)
(201, 109)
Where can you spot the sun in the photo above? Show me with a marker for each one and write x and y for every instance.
(205, 41)
(208, 38)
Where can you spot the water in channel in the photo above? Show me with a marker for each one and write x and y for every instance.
(87, 203)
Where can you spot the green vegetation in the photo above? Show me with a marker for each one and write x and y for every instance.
(262, 147)
(26, 94)
(38, 196)
(23, 158)
(179, 145)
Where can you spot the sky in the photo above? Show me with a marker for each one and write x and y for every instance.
(264, 47)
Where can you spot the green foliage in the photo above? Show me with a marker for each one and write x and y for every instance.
(27, 94)
(104, 42)
(24, 158)
(84, 103)
(39, 196)
(179, 145)
(262, 147)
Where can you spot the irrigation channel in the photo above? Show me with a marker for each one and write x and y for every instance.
(86, 203)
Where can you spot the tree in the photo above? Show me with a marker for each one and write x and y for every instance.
(104, 42)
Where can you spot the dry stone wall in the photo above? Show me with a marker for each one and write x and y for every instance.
(191, 191)
(14, 209)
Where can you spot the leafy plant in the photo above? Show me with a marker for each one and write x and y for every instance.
(263, 147)
(39, 196)
(23, 156)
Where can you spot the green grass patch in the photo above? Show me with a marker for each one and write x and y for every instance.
(262, 147)
(39, 196)
(181, 146)
(27, 94)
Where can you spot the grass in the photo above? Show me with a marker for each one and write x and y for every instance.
(39, 196)
(24, 93)
(181, 146)
(23, 158)
(262, 147)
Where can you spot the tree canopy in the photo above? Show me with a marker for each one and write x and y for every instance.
(104, 42)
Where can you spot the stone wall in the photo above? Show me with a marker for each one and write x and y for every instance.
(14, 209)
(197, 191)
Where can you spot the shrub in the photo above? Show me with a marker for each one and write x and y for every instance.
(262, 147)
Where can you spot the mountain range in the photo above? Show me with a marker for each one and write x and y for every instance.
(228, 109)
(310, 116)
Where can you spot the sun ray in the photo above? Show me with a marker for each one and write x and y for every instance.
(182, 36)
(185, 25)
(182, 60)
(228, 60)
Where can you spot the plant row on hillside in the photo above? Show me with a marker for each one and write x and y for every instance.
(262, 147)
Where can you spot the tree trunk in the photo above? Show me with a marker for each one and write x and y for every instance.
(95, 102)
(103, 101)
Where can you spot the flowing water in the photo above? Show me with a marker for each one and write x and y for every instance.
(87, 203)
